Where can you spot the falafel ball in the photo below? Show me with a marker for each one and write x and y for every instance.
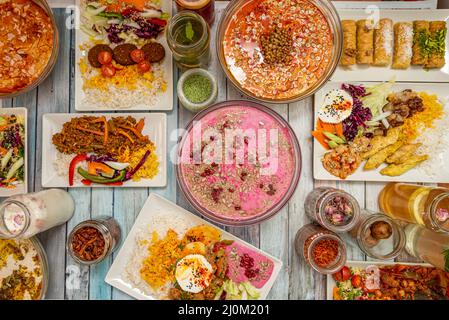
(122, 54)
(154, 52)
(92, 56)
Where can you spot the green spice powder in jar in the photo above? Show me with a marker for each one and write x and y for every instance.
(197, 88)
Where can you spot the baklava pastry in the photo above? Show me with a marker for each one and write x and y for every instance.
(437, 31)
(349, 43)
(365, 41)
(383, 43)
(403, 43)
(420, 36)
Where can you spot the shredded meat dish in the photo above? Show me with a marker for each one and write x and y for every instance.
(97, 135)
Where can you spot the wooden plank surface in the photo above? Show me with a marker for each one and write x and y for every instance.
(70, 281)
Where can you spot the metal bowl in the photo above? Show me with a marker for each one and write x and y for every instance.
(331, 15)
(51, 62)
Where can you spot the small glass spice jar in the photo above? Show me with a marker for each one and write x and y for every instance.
(333, 209)
(379, 236)
(322, 249)
(188, 37)
(93, 240)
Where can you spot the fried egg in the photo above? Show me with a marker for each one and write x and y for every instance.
(193, 273)
(336, 107)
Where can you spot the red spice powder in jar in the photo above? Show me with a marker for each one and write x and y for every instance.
(325, 252)
(88, 243)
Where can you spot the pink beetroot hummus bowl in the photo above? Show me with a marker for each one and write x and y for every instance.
(238, 163)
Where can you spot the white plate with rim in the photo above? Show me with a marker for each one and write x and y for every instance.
(155, 209)
(413, 73)
(52, 123)
(21, 188)
(164, 99)
(416, 174)
(330, 282)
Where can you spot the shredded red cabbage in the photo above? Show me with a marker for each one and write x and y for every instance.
(95, 158)
(147, 30)
(359, 113)
(129, 174)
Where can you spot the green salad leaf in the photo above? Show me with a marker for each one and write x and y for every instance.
(189, 31)
(376, 96)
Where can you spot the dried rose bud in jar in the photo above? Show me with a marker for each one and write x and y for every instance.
(333, 209)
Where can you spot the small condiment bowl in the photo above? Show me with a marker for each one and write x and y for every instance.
(110, 231)
(196, 107)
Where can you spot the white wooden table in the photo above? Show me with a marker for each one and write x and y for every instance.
(70, 281)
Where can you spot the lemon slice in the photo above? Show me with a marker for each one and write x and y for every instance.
(416, 204)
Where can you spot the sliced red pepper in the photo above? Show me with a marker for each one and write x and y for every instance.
(118, 183)
(86, 182)
(129, 11)
(75, 161)
(158, 22)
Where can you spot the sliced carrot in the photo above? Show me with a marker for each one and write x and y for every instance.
(3, 151)
(94, 166)
(329, 127)
(103, 119)
(138, 4)
(140, 125)
(133, 130)
(98, 133)
(339, 129)
(319, 125)
(321, 139)
(123, 133)
(115, 8)
(336, 294)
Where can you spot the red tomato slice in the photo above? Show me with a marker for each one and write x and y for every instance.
(107, 70)
(104, 57)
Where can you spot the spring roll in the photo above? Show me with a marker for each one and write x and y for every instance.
(437, 30)
(403, 43)
(383, 43)
(420, 36)
(349, 43)
(365, 41)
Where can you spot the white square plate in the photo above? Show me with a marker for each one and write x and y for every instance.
(413, 73)
(155, 209)
(165, 99)
(414, 175)
(330, 282)
(22, 187)
(155, 128)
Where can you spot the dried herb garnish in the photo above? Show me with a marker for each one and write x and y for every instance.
(446, 259)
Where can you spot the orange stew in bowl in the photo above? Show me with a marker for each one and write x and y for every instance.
(277, 49)
(26, 43)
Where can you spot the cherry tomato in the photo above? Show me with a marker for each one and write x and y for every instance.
(104, 57)
(137, 55)
(144, 66)
(356, 281)
(108, 70)
(342, 275)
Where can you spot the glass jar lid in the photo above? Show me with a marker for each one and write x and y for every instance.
(380, 237)
(14, 219)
